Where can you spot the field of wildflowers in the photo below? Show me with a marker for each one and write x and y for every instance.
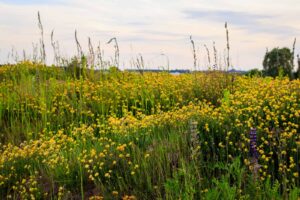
(125, 135)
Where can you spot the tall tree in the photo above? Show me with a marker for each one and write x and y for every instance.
(278, 60)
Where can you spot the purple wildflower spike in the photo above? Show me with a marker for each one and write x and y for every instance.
(253, 136)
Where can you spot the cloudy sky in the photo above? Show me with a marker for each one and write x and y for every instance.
(154, 28)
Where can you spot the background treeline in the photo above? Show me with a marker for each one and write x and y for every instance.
(278, 62)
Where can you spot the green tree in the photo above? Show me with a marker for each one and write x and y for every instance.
(278, 60)
(254, 73)
(298, 71)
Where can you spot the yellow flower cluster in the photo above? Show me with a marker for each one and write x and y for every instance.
(271, 106)
(98, 156)
(59, 128)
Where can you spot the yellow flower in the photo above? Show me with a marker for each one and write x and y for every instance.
(206, 127)
(147, 155)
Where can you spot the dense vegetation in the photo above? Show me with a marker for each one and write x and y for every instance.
(68, 134)
(279, 62)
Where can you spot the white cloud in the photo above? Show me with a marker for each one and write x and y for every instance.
(151, 27)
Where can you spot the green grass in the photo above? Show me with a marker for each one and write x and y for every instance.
(152, 136)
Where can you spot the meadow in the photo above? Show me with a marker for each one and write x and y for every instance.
(111, 134)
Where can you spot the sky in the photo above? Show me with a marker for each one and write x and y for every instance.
(159, 30)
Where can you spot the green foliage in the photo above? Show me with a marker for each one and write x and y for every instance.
(254, 73)
(281, 73)
(276, 60)
(294, 194)
(226, 98)
(230, 184)
(297, 73)
(183, 185)
(73, 136)
(113, 69)
(77, 68)
(272, 192)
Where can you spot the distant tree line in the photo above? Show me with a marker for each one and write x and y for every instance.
(278, 62)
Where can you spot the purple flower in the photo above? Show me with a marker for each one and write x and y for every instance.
(253, 136)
